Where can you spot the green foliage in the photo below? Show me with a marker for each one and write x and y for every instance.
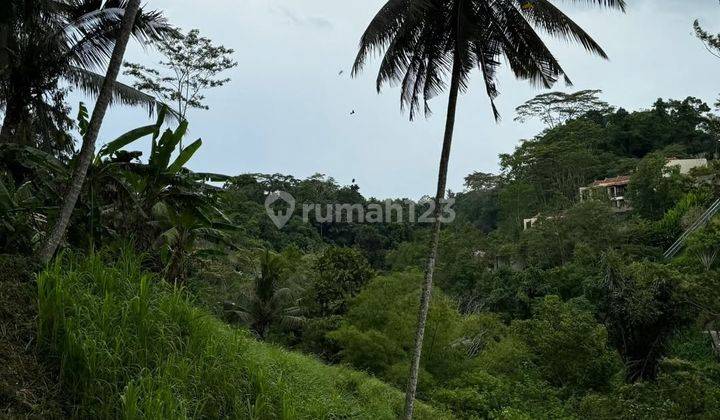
(21, 220)
(187, 233)
(570, 346)
(654, 189)
(704, 245)
(544, 173)
(160, 204)
(590, 226)
(560, 162)
(341, 274)
(245, 196)
(642, 305)
(666, 230)
(131, 346)
(503, 382)
(193, 66)
(378, 331)
(52, 47)
(510, 333)
(681, 391)
(267, 304)
(556, 108)
(29, 190)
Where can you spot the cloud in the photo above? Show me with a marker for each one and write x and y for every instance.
(293, 18)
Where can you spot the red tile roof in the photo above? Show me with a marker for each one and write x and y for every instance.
(611, 182)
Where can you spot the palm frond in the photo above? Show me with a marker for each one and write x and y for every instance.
(422, 40)
(292, 322)
(380, 31)
(90, 83)
(528, 56)
(88, 30)
(545, 15)
(614, 4)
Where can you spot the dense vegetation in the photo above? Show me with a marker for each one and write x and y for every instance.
(174, 295)
(579, 316)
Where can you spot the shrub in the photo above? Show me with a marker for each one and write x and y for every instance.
(571, 347)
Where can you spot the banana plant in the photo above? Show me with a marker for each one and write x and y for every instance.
(189, 234)
(163, 179)
(110, 201)
(173, 209)
(21, 217)
(30, 184)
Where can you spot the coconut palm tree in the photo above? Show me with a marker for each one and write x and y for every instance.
(47, 44)
(87, 152)
(426, 41)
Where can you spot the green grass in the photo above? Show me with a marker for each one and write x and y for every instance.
(130, 346)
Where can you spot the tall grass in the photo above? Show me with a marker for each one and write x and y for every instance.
(131, 346)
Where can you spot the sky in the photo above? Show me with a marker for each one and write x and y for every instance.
(287, 110)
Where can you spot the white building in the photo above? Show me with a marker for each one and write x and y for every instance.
(686, 165)
(612, 188)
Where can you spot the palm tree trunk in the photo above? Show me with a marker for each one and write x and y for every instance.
(435, 237)
(17, 97)
(11, 120)
(87, 152)
(4, 32)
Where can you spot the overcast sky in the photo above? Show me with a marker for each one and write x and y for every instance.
(287, 110)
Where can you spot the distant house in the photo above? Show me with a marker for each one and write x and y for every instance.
(613, 189)
(686, 165)
(499, 261)
(528, 223)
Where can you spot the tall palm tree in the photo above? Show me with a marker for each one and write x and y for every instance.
(87, 152)
(425, 41)
(44, 43)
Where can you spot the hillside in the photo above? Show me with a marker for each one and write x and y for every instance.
(133, 347)
(296, 254)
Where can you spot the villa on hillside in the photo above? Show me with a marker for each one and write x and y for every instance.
(613, 188)
(616, 188)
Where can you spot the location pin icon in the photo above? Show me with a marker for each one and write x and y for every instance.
(280, 218)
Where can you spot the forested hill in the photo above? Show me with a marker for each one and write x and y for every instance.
(575, 314)
(579, 281)
(578, 315)
(543, 174)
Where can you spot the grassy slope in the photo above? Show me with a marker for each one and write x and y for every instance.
(132, 347)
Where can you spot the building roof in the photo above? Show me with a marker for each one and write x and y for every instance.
(612, 182)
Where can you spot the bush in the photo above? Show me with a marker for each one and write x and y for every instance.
(571, 347)
(379, 329)
(341, 273)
